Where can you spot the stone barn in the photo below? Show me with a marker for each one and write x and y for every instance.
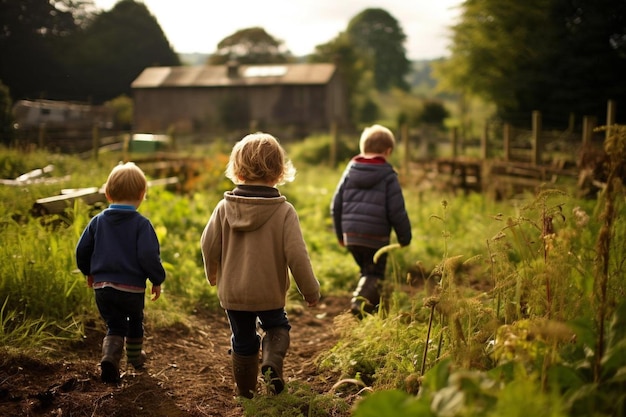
(280, 98)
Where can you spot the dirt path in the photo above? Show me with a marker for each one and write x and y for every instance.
(188, 372)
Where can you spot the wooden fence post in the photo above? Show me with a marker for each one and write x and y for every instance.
(171, 133)
(334, 143)
(455, 140)
(536, 139)
(610, 116)
(589, 124)
(507, 141)
(571, 122)
(484, 140)
(404, 137)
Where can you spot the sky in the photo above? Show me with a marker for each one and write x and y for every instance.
(199, 25)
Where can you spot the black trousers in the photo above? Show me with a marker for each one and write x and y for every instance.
(364, 258)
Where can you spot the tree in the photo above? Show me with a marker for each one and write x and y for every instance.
(250, 46)
(114, 49)
(60, 49)
(433, 113)
(354, 67)
(6, 115)
(28, 29)
(379, 35)
(574, 64)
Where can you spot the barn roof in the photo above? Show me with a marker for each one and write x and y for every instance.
(231, 75)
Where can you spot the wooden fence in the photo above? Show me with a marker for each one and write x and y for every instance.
(520, 161)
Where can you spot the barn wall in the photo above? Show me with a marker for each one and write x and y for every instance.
(188, 109)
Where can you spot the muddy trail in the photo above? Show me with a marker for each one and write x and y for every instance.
(188, 371)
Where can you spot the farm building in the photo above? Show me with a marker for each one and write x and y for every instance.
(65, 114)
(285, 97)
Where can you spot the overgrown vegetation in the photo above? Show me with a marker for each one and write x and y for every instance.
(492, 303)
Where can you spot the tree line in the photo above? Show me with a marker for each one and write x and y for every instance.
(560, 57)
(66, 49)
(69, 50)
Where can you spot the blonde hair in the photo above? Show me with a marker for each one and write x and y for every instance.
(126, 182)
(376, 139)
(258, 157)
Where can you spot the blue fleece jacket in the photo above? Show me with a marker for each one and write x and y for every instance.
(119, 245)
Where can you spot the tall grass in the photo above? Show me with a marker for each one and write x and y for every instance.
(491, 302)
(526, 322)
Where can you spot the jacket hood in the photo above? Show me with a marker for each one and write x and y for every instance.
(367, 175)
(117, 216)
(246, 214)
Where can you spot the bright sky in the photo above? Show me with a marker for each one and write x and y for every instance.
(199, 25)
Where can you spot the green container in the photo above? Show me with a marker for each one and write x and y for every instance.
(146, 143)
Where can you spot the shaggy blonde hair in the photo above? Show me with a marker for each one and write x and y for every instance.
(126, 182)
(258, 157)
(376, 139)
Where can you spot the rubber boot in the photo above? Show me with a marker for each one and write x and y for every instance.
(112, 349)
(275, 344)
(134, 353)
(245, 371)
(366, 297)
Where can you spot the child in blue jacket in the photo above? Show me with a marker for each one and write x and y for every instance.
(118, 251)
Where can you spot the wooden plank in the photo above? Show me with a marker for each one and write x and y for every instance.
(59, 203)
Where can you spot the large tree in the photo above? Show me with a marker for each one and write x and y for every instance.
(354, 67)
(379, 34)
(114, 49)
(556, 56)
(28, 29)
(250, 46)
(62, 49)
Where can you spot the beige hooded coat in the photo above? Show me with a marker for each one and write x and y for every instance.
(249, 245)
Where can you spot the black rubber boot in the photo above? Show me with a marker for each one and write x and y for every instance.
(245, 371)
(112, 349)
(275, 344)
(134, 352)
(366, 297)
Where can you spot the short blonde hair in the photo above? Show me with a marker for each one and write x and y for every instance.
(259, 157)
(376, 139)
(126, 182)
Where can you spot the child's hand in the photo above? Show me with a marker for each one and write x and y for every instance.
(156, 292)
(313, 303)
(90, 281)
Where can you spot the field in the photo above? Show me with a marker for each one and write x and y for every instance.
(493, 302)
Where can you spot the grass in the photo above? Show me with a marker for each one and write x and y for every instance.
(507, 298)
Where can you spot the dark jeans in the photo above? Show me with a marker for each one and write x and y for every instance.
(245, 340)
(364, 258)
(122, 312)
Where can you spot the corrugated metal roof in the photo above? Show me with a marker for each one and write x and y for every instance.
(218, 75)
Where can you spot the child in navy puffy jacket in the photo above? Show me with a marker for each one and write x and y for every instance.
(367, 204)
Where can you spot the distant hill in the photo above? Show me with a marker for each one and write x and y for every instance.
(195, 58)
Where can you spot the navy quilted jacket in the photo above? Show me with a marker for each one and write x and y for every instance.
(368, 203)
